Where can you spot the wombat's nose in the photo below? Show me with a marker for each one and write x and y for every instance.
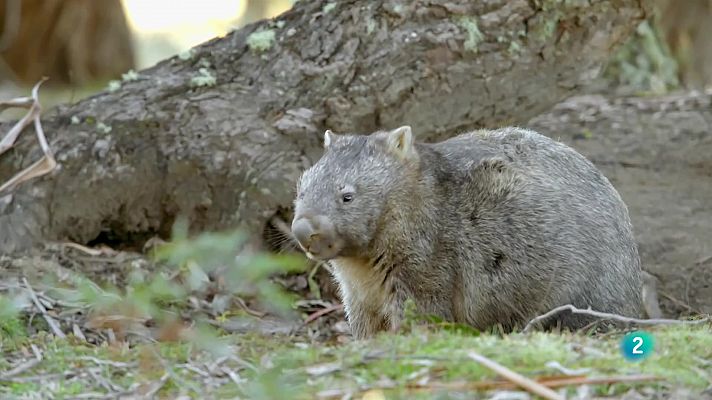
(316, 236)
(303, 232)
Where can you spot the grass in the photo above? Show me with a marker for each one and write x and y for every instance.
(428, 359)
(409, 365)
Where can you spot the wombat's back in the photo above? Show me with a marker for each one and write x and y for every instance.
(550, 230)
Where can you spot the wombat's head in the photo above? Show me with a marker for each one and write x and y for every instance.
(342, 199)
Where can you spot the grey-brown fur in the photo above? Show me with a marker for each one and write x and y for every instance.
(486, 228)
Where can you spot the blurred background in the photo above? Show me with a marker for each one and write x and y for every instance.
(82, 44)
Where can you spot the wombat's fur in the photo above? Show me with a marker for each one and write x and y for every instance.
(486, 228)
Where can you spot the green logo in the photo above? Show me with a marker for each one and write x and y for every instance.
(637, 345)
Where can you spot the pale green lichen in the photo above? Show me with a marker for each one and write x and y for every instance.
(114, 85)
(328, 7)
(279, 24)
(549, 28)
(103, 128)
(74, 120)
(186, 55)
(204, 78)
(370, 25)
(131, 75)
(514, 47)
(474, 36)
(261, 40)
(204, 63)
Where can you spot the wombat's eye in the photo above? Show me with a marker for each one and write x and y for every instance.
(347, 197)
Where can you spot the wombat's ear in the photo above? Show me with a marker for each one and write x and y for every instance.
(400, 141)
(329, 138)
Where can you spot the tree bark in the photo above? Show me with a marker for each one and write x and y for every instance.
(228, 155)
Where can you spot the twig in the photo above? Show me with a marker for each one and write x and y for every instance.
(520, 380)
(156, 387)
(53, 324)
(96, 396)
(83, 249)
(550, 382)
(46, 377)
(244, 363)
(45, 164)
(116, 364)
(195, 369)
(29, 364)
(103, 382)
(36, 352)
(676, 301)
(77, 331)
(615, 317)
(318, 314)
(232, 375)
(247, 309)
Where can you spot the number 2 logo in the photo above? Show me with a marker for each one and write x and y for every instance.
(637, 345)
(638, 342)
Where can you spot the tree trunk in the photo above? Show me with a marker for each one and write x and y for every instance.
(228, 154)
(69, 41)
(687, 30)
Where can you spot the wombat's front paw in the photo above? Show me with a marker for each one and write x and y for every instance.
(365, 325)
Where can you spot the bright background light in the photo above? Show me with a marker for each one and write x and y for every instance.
(162, 28)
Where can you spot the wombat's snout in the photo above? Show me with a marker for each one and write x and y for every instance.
(316, 236)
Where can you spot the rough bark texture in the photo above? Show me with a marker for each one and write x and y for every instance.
(658, 153)
(228, 155)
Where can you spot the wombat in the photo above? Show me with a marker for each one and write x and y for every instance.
(489, 228)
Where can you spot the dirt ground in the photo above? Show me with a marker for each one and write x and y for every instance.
(658, 153)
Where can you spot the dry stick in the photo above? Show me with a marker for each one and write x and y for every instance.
(44, 165)
(24, 366)
(9, 140)
(616, 317)
(53, 324)
(549, 382)
(518, 379)
(19, 102)
(318, 314)
(157, 386)
(31, 363)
